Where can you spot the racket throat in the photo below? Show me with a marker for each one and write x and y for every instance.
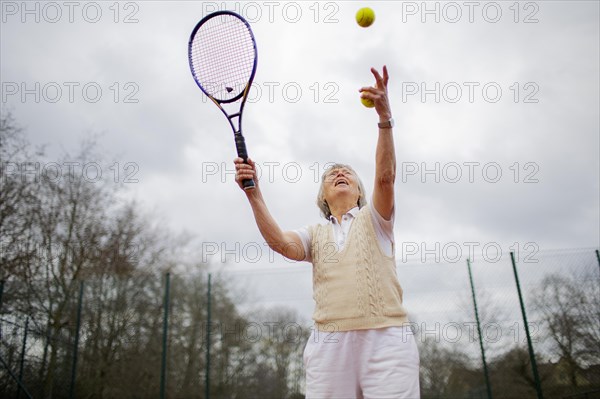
(236, 122)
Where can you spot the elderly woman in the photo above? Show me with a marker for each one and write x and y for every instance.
(362, 346)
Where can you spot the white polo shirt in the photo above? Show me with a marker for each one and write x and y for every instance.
(384, 229)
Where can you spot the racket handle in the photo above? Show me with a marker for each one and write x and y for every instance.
(240, 145)
(248, 184)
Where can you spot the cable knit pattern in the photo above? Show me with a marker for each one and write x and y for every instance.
(356, 288)
(319, 273)
(378, 303)
(366, 265)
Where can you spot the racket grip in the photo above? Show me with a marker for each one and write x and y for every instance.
(240, 145)
(248, 184)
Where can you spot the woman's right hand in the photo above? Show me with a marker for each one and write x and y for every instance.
(245, 171)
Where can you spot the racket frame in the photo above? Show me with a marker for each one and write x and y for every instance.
(240, 142)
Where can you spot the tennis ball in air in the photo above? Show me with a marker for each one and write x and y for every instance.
(367, 102)
(365, 17)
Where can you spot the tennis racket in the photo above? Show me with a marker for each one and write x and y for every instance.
(222, 54)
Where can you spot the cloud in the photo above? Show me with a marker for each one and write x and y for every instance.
(305, 112)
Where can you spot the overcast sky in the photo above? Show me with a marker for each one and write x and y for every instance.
(496, 107)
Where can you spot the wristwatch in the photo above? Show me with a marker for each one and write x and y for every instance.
(387, 124)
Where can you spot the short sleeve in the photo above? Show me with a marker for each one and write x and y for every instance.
(306, 238)
(384, 229)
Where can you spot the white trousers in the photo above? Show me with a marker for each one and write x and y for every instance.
(379, 363)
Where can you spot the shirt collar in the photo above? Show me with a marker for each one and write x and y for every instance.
(352, 212)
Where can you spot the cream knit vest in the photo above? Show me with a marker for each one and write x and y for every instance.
(356, 288)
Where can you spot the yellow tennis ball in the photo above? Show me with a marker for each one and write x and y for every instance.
(367, 102)
(365, 17)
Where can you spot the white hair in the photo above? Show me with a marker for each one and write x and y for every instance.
(322, 203)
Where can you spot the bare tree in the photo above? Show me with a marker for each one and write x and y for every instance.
(570, 313)
(62, 232)
(511, 374)
(19, 202)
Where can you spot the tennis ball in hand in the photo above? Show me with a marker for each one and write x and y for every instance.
(365, 17)
(367, 102)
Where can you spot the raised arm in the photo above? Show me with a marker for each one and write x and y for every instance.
(385, 156)
(287, 243)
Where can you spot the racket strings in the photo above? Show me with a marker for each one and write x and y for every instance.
(223, 56)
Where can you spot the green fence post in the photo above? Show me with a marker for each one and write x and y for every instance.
(2, 291)
(22, 360)
(208, 321)
(536, 377)
(163, 368)
(485, 368)
(76, 344)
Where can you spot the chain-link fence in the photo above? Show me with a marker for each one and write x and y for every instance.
(104, 336)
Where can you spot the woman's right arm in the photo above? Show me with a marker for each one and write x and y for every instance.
(286, 243)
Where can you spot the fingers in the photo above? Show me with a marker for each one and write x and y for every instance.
(244, 171)
(239, 161)
(378, 94)
(370, 93)
(386, 76)
(378, 78)
(381, 82)
(240, 165)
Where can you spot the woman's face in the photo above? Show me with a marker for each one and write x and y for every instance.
(341, 182)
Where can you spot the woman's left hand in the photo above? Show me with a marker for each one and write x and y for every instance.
(379, 94)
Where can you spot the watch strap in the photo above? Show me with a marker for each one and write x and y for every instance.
(387, 124)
